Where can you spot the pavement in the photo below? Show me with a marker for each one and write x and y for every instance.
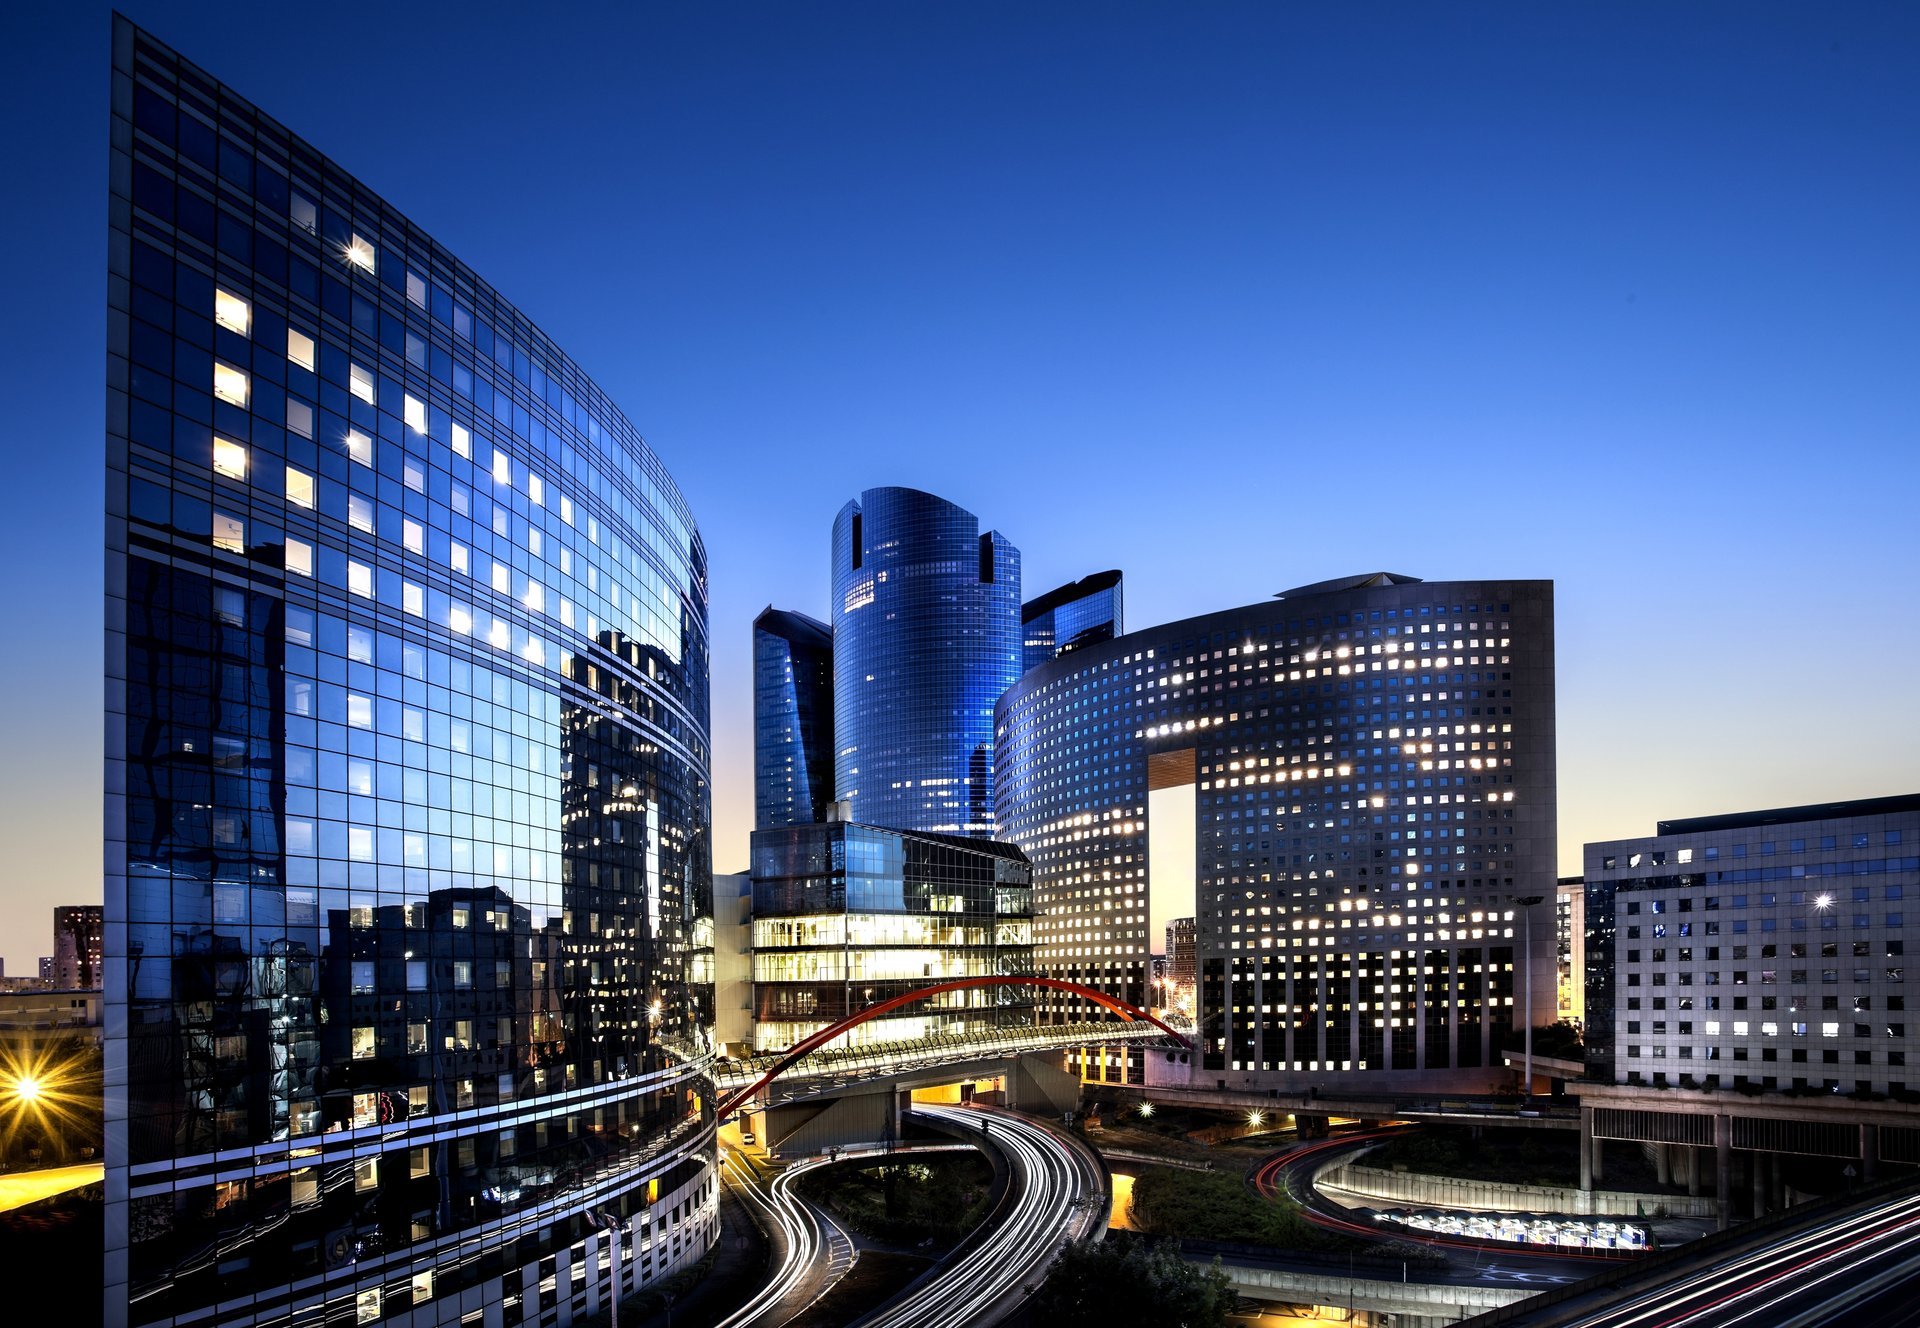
(19, 1188)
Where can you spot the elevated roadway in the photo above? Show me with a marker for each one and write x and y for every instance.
(1849, 1263)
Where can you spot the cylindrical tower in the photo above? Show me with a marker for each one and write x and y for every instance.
(926, 636)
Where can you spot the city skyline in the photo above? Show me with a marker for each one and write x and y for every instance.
(1646, 453)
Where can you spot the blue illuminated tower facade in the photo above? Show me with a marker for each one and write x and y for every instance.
(407, 792)
(926, 636)
(1070, 617)
(792, 719)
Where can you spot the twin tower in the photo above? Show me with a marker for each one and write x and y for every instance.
(890, 708)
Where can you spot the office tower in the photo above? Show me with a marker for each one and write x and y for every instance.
(1367, 768)
(1080, 613)
(407, 821)
(792, 719)
(1570, 948)
(846, 916)
(76, 947)
(1757, 950)
(926, 636)
(1181, 935)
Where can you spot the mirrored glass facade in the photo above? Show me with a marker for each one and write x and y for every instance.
(1372, 767)
(1080, 613)
(926, 636)
(792, 719)
(407, 819)
(846, 916)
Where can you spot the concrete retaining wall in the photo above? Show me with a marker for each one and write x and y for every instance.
(1374, 1187)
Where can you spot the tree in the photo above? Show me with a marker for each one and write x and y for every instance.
(1132, 1282)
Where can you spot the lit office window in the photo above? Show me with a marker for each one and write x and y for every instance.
(502, 468)
(413, 535)
(229, 458)
(361, 253)
(360, 579)
(462, 441)
(360, 382)
(360, 512)
(299, 557)
(299, 488)
(359, 447)
(300, 349)
(415, 414)
(230, 384)
(232, 312)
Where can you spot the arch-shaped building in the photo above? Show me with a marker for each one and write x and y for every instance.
(407, 768)
(1372, 766)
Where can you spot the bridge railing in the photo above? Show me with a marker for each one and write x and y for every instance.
(880, 1058)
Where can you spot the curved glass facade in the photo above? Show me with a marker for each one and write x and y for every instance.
(1372, 769)
(792, 719)
(408, 891)
(1080, 613)
(926, 636)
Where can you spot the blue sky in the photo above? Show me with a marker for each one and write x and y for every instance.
(1234, 297)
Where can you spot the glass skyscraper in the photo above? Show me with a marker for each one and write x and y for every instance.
(926, 636)
(792, 719)
(1080, 613)
(846, 916)
(1370, 768)
(407, 792)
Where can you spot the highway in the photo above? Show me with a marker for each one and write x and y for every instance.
(1854, 1269)
(812, 1252)
(1056, 1193)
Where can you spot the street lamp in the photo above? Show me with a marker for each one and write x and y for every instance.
(1526, 903)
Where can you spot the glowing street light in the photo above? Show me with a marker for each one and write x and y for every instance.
(1146, 1108)
(27, 1089)
(1255, 1118)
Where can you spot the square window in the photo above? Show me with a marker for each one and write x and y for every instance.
(462, 441)
(304, 214)
(460, 620)
(300, 348)
(299, 488)
(415, 413)
(360, 382)
(416, 290)
(232, 312)
(363, 1044)
(502, 578)
(299, 557)
(360, 579)
(413, 535)
(359, 710)
(537, 491)
(360, 512)
(229, 533)
(360, 843)
(361, 253)
(457, 557)
(566, 509)
(359, 447)
(413, 475)
(299, 418)
(412, 598)
(502, 468)
(229, 458)
(230, 384)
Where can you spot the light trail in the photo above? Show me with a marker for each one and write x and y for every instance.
(1052, 1182)
(811, 1244)
(1756, 1283)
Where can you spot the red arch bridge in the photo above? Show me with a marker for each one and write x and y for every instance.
(814, 1041)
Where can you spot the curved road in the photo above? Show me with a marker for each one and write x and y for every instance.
(1048, 1204)
(1291, 1175)
(813, 1251)
(1854, 1270)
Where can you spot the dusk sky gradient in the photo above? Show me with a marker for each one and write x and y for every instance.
(1234, 298)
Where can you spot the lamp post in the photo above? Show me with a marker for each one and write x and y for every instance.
(611, 1224)
(1526, 903)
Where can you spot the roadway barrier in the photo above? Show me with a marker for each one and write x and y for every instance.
(1373, 1187)
(1629, 1279)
